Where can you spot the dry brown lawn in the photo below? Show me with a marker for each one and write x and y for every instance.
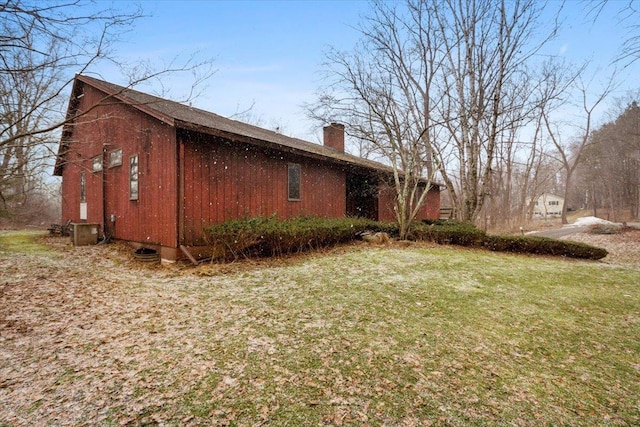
(419, 335)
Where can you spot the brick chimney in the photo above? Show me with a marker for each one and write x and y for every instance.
(334, 136)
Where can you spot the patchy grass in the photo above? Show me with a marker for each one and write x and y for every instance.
(424, 335)
(22, 242)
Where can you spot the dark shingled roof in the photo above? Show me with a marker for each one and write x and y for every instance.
(186, 117)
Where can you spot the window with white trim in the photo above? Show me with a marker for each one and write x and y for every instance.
(83, 187)
(96, 164)
(133, 178)
(115, 157)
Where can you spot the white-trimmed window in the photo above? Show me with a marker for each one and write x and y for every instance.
(115, 157)
(133, 178)
(293, 181)
(96, 164)
(83, 187)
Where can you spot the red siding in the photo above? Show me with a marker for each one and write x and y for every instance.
(152, 219)
(183, 188)
(386, 202)
(227, 180)
(432, 204)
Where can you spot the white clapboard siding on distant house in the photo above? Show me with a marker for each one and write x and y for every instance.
(548, 205)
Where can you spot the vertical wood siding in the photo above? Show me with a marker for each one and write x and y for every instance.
(386, 203)
(226, 180)
(152, 219)
(221, 180)
(432, 204)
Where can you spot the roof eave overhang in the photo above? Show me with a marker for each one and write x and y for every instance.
(67, 128)
(122, 98)
(72, 113)
(278, 147)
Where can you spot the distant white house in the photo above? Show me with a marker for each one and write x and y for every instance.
(548, 205)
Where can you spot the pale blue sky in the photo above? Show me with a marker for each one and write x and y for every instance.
(269, 53)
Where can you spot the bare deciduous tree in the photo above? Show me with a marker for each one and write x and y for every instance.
(522, 170)
(535, 170)
(42, 46)
(570, 155)
(439, 86)
(490, 47)
(609, 173)
(628, 12)
(383, 92)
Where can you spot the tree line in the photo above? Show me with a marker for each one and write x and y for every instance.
(608, 178)
(43, 44)
(458, 92)
(464, 93)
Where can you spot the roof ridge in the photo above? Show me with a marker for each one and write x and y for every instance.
(181, 115)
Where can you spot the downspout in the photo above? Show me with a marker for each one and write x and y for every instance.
(180, 201)
(106, 236)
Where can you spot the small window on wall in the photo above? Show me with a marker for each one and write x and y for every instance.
(294, 181)
(83, 187)
(115, 158)
(96, 164)
(133, 178)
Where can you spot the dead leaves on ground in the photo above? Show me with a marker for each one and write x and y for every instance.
(87, 337)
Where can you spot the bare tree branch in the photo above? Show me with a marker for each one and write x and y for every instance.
(42, 47)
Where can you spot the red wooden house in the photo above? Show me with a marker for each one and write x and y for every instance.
(155, 172)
